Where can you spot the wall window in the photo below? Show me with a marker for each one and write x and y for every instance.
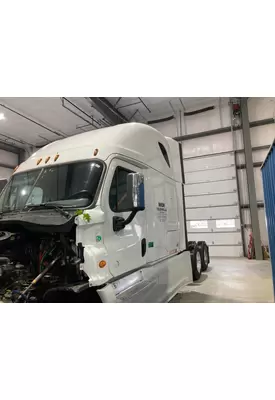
(225, 223)
(118, 198)
(164, 153)
(199, 224)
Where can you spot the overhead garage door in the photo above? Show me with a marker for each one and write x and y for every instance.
(212, 206)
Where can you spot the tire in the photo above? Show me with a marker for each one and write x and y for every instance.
(191, 245)
(208, 255)
(204, 250)
(196, 263)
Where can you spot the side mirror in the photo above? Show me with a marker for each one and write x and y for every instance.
(135, 191)
(135, 200)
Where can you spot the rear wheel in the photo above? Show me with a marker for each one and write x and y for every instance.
(191, 245)
(204, 255)
(196, 262)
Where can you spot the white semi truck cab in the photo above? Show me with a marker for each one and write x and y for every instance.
(98, 217)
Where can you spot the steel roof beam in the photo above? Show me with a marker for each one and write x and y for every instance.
(9, 147)
(223, 130)
(108, 110)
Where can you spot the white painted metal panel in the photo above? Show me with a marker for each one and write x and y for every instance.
(246, 216)
(167, 128)
(260, 108)
(262, 135)
(212, 200)
(257, 156)
(227, 238)
(208, 120)
(208, 145)
(5, 173)
(212, 213)
(240, 159)
(239, 139)
(210, 187)
(218, 161)
(259, 184)
(204, 121)
(243, 185)
(8, 158)
(209, 176)
(226, 251)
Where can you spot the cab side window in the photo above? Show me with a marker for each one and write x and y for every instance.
(164, 153)
(118, 192)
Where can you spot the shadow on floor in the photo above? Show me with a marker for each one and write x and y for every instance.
(195, 297)
(203, 277)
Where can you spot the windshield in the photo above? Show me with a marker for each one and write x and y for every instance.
(71, 185)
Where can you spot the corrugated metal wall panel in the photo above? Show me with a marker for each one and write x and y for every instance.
(268, 173)
(262, 135)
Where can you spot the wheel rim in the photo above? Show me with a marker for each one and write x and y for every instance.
(205, 256)
(198, 262)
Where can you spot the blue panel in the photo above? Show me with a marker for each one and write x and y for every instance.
(268, 174)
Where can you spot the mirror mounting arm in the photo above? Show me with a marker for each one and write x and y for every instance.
(130, 218)
(119, 223)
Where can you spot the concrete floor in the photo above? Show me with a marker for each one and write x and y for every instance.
(231, 280)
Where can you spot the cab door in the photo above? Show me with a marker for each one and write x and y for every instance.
(126, 248)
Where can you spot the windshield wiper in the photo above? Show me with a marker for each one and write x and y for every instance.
(49, 206)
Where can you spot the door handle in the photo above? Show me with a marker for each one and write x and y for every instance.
(143, 247)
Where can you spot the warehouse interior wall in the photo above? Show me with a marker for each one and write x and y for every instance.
(220, 116)
(8, 161)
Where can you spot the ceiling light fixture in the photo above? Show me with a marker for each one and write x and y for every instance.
(2, 116)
